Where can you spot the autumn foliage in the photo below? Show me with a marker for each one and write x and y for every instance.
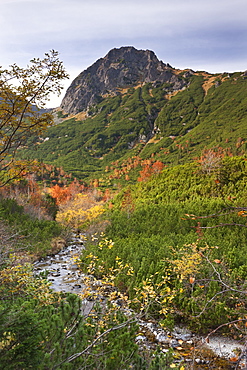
(82, 208)
(61, 194)
(20, 90)
(64, 193)
(149, 169)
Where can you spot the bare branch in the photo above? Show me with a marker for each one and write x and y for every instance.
(86, 350)
(218, 214)
(223, 325)
(228, 287)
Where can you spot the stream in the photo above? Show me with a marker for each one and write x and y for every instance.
(65, 276)
(63, 272)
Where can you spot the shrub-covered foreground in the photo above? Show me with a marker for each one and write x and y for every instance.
(40, 329)
(175, 249)
(177, 245)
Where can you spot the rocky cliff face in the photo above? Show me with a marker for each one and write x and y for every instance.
(120, 68)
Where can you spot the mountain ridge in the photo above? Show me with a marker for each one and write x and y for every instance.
(120, 68)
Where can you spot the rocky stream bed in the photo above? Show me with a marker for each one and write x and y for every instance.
(193, 350)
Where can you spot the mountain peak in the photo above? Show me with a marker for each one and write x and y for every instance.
(128, 52)
(121, 68)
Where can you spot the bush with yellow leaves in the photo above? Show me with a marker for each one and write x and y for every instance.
(79, 211)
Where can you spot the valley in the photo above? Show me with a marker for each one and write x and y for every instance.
(148, 163)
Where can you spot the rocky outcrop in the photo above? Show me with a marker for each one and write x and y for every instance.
(120, 68)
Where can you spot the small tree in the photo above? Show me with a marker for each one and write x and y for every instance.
(210, 160)
(23, 93)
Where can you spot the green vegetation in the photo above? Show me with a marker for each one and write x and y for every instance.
(120, 127)
(31, 234)
(156, 231)
(43, 330)
(85, 147)
(40, 329)
(23, 93)
(175, 233)
(180, 113)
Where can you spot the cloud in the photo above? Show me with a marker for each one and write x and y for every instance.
(99, 19)
(183, 33)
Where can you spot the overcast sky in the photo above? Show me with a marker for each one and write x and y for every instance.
(208, 35)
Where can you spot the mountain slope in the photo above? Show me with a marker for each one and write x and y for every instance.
(119, 69)
(172, 118)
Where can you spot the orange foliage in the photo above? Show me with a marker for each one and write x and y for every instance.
(95, 183)
(157, 167)
(65, 193)
(150, 166)
(107, 195)
(61, 194)
(145, 173)
(110, 206)
(127, 204)
(150, 169)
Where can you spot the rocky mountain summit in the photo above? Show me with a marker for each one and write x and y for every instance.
(120, 68)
